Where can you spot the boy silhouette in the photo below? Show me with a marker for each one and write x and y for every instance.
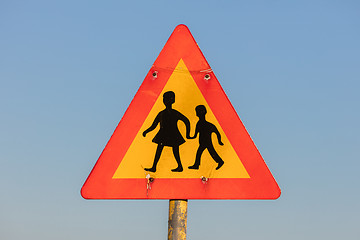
(169, 134)
(205, 129)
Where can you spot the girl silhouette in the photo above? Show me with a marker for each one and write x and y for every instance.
(169, 134)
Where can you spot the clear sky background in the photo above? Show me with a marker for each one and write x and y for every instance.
(69, 69)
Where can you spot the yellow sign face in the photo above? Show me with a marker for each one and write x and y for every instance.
(140, 156)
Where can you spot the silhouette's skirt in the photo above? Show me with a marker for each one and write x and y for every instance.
(173, 139)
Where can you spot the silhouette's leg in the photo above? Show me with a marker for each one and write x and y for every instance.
(177, 158)
(198, 157)
(156, 160)
(215, 156)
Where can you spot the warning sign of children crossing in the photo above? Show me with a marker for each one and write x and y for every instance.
(180, 138)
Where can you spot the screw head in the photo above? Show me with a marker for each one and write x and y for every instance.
(155, 74)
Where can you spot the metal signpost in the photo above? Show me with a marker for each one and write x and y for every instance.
(177, 219)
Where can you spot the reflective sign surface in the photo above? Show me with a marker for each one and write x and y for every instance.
(180, 138)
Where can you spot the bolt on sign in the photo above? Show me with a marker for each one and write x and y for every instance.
(180, 138)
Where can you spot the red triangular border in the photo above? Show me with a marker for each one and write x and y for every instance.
(101, 185)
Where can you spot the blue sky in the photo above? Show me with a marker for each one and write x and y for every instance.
(69, 69)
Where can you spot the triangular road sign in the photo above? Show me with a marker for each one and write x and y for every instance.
(180, 138)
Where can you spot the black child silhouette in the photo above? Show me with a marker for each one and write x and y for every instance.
(205, 129)
(169, 134)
